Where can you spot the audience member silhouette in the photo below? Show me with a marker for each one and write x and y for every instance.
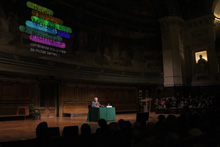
(85, 130)
(113, 128)
(121, 124)
(41, 130)
(86, 137)
(102, 123)
(70, 131)
(103, 130)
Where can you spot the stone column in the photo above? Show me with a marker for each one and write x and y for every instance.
(173, 51)
(202, 37)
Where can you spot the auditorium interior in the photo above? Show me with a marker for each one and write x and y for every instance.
(158, 59)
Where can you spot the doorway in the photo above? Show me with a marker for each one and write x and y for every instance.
(49, 100)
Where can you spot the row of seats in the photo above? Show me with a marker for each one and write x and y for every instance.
(68, 131)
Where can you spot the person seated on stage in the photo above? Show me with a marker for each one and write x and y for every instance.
(96, 103)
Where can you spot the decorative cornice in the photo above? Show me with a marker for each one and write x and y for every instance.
(204, 20)
(200, 21)
(73, 72)
(171, 20)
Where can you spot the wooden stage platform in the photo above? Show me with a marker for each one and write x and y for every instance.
(25, 129)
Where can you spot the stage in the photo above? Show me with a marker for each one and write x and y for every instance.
(25, 129)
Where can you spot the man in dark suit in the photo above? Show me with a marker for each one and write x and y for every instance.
(96, 104)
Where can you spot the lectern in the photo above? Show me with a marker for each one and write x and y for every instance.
(144, 116)
(146, 109)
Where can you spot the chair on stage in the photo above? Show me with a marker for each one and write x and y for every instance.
(34, 113)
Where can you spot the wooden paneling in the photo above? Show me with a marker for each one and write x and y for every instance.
(44, 113)
(9, 91)
(91, 93)
(101, 93)
(77, 98)
(82, 94)
(15, 96)
(24, 91)
(49, 98)
(75, 109)
(8, 110)
(18, 91)
(70, 94)
(23, 110)
(13, 110)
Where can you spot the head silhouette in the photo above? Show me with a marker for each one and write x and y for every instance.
(102, 123)
(161, 118)
(85, 129)
(41, 130)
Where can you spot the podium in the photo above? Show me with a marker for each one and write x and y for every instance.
(144, 116)
(146, 101)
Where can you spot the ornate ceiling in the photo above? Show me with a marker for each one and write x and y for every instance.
(128, 16)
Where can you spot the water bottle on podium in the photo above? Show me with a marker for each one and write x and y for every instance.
(109, 106)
